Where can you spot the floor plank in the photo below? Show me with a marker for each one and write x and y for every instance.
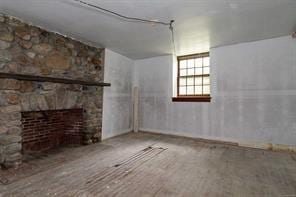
(144, 164)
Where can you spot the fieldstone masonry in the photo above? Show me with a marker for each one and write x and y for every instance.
(25, 49)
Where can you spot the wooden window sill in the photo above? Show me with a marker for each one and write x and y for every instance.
(192, 99)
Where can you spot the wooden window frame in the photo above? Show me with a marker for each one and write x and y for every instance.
(191, 98)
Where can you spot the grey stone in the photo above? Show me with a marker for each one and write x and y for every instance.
(91, 53)
(30, 69)
(25, 103)
(5, 56)
(14, 131)
(75, 53)
(13, 160)
(58, 61)
(4, 44)
(23, 33)
(26, 86)
(51, 100)
(35, 40)
(3, 129)
(60, 98)
(31, 54)
(2, 19)
(97, 135)
(89, 130)
(48, 86)
(7, 117)
(9, 139)
(13, 157)
(71, 99)
(4, 28)
(2, 155)
(33, 103)
(42, 104)
(2, 65)
(87, 141)
(13, 123)
(6, 36)
(13, 67)
(23, 60)
(12, 98)
(9, 84)
(45, 71)
(10, 109)
(13, 148)
(42, 48)
(14, 22)
(25, 44)
(70, 45)
(3, 101)
(35, 31)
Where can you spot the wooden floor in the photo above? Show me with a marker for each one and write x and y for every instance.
(136, 165)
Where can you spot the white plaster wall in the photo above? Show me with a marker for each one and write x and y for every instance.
(117, 100)
(253, 95)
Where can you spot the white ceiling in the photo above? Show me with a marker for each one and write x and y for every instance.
(199, 24)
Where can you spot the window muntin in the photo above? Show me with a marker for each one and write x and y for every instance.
(194, 75)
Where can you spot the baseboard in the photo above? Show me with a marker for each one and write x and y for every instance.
(232, 142)
(122, 132)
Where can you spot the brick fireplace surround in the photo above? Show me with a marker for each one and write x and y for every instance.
(43, 130)
(56, 108)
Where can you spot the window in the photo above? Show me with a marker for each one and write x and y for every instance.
(193, 82)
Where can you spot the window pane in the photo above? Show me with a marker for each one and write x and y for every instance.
(206, 89)
(198, 71)
(182, 64)
(198, 89)
(183, 72)
(206, 80)
(198, 80)
(190, 81)
(182, 82)
(206, 70)
(194, 76)
(206, 61)
(182, 90)
(190, 63)
(198, 62)
(190, 90)
(190, 71)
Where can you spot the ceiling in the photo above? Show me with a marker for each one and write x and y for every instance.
(199, 24)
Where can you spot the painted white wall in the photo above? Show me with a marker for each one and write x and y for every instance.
(253, 95)
(117, 99)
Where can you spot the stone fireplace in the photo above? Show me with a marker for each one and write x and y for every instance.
(34, 115)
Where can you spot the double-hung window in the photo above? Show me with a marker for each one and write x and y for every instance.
(193, 79)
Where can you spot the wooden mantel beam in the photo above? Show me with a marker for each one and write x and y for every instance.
(24, 77)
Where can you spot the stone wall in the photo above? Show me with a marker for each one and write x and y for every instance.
(25, 49)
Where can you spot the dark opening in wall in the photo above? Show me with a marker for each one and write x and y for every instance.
(44, 130)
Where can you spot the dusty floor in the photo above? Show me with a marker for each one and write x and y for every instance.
(154, 165)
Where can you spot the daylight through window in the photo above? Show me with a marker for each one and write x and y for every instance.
(194, 75)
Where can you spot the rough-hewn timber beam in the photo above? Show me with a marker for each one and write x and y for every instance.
(50, 79)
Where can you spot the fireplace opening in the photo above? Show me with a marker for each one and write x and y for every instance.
(45, 130)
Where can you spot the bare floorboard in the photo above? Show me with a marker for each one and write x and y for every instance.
(143, 164)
